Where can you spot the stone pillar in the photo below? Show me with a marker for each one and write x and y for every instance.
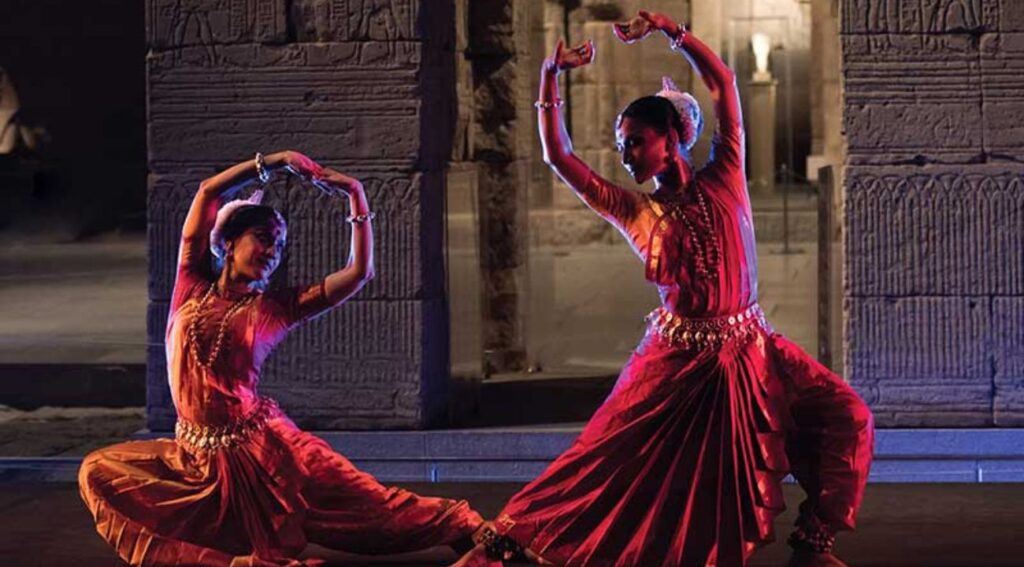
(365, 86)
(498, 42)
(826, 96)
(760, 128)
(934, 225)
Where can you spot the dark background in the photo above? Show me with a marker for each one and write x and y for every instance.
(79, 71)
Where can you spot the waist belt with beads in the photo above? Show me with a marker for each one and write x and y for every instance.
(198, 437)
(705, 333)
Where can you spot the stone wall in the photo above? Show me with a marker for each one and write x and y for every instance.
(366, 86)
(935, 209)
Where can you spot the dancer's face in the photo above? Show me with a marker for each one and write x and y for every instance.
(256, 253)
(645, 152)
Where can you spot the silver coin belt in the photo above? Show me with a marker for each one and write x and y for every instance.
(198, 437)
(705, 333)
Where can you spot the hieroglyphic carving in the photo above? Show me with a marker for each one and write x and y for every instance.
(352, 92)
(910, 99)
(159, 407)
(365, 352)
(1008, 345)
(354, 20)
(169, 201)
(208, 24)
(326, 57)
(943, 233)
(951, 15)
(933, 252)
(319, 237)
(919, 16)
(922, 360)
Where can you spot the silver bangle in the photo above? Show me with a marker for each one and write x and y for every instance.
(548, 104)
(677, 41)
(261, 168)
(357, 219)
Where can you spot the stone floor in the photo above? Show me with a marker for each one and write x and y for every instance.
(63, 432)
(934, 525)
(78, 302)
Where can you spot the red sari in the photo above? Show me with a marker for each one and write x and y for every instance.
(683, 463)
(254, 491)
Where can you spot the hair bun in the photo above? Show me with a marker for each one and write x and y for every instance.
(223, 214)
(688, 108)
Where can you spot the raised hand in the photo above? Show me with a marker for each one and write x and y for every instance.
(334, 182)
(563, 59)
(632, 31)
(302, 166)
(643, 24)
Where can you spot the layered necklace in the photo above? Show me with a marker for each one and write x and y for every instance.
(218, 344)
(701, 233)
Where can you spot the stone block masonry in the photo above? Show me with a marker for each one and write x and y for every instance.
(365, 86)
(934, 203)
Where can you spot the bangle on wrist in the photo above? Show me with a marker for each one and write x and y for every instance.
(549, 66)
(261, 168)
(358, 219)
(677, 41)
(548, 104)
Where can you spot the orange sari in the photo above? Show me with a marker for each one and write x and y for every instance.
(240, 484)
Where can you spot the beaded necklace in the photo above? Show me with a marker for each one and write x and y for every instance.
(702, 236)
(218, 344)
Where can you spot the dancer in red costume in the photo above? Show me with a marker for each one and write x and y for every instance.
(241, 485)
(682, 464)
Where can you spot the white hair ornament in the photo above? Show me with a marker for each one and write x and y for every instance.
(688, 108)
(223, 214)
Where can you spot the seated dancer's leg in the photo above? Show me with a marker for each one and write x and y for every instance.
(829, 445)
(350, 511)
(126, 488)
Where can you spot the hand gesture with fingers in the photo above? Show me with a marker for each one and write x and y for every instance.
(563, 59)
(302, 166)
(334, 182)
(643, 24)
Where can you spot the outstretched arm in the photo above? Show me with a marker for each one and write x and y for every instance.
(554, 138)
(717, 76)
(344, 283)
(615, 204)
(295, 304)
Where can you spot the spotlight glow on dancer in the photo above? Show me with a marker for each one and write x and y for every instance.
(241, 485)
(682, 464)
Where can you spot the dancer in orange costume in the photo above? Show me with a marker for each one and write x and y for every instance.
(682, 464)
(241, 485)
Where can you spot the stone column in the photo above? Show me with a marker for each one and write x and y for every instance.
(498, 43)
(760, 127)
(934, 223)
(827, 143)
(365, 86)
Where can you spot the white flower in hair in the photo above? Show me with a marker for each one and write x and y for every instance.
(223, 214)
(688, 108)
